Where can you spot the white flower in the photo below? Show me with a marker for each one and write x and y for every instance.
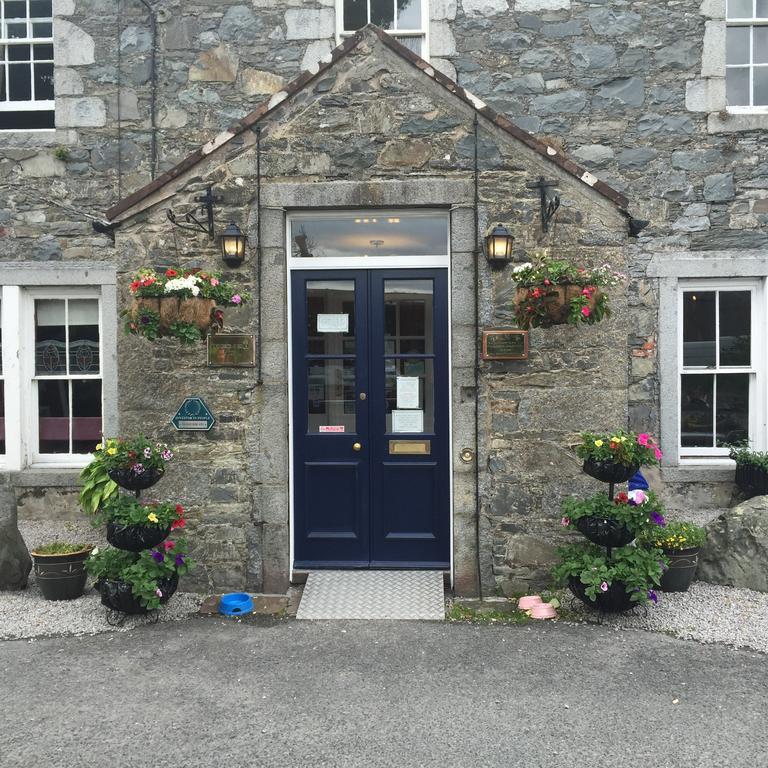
(522, 267)
(188, 283)
(195, 290)
(94, 551)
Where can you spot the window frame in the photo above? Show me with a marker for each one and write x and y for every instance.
(29, 105)
(750, 23)
(756, 369)
(423, 33)
(20, 284)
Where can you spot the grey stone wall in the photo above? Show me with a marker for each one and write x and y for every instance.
(632, 90)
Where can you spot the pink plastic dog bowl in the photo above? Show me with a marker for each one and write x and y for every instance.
(543, 611)
(528, 601)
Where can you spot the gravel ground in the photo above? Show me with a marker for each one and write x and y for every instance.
(27, 615)
(708, 613)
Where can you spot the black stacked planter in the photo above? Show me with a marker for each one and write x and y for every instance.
(607, 533)
(117, 595)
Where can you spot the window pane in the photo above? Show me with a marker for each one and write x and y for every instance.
(3, 93)
(86, 415)
(383, 13)
(735, 327)
(15, 9)
(409, 392)
(368, 234)
(17, 31)
(26, 120)
(43, 82)
(762, 9)
(760, 45)
(696, 411)
(355, 14)
(409, 14)
(410, 42)
(42, 52)
(42, 29)
(407, 317)
(40, 9)
(83, 336)
(740, 9)
(737, 45)
(331, 396)
(19, 82)
(331, 306)
(699, 328)
(1, 339)
(732, 407)
(737, 87)
(760, 93)
(19, 52)
(2, 416)
(50, 337)
(53, 412)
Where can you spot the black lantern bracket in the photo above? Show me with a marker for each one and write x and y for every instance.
(192, 222)
(549, 202)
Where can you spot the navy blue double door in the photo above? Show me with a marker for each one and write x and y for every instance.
(371, 479)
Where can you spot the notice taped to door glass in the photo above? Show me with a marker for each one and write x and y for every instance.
(408, 421)
(407, 391)
(332, 323)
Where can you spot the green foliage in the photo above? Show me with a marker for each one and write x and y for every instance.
(60, 548)
(638, 568)
(490, 615)
(98, 487)
(188, 333)
(622, 447)
(128, 510)
(676, 535)
(61, 153)
(142, 570)
(143, 322)
(744, 456)
(645, 516)
(137, 453)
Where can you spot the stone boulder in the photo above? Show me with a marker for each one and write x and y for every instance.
(736, 550)
(15, 562)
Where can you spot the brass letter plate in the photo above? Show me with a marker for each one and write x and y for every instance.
(420, 447)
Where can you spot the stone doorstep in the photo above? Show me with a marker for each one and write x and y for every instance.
(263, 605)
(500, 604)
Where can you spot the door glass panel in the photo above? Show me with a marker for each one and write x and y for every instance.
(331, 396)
(735, 321)
(331, 317)
(53, 413)
(696, 423)
(50, 337)
(410, 395)
(366, 234)
(699, 328)
(408, 317)
(732, 408)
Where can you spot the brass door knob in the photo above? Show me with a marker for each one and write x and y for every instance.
(357, 447)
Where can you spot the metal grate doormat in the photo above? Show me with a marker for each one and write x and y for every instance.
(373, 595)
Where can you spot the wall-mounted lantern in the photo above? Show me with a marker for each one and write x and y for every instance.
(232, 242)
(498, 246)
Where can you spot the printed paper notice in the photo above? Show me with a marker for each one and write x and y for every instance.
(333, 323)
(408, 421)
(407, 391)
(331, 428)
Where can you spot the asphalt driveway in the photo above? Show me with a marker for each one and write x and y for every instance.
(206, 692)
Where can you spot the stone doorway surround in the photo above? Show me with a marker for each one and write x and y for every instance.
(272, 496)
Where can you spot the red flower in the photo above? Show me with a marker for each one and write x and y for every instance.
(135, 286)
(536, 293)
(180, 523)
(529, 309)
(169, 545)
(171, 273)
(179, 510)
(613, 446)
(546, 282)
(621, 498)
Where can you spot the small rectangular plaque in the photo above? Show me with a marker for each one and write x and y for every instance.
(505, 344)
(231, 350)
(407, 391)
(331, 428)
(408, 421)
(333, 323)
(413, 447)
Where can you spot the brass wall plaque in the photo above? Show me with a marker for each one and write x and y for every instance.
(505, 344)
(413, 447)
(231, 350)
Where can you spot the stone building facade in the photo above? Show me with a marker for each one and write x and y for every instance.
(630, 93)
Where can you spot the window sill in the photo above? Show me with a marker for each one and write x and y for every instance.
(54, 477)
(700, 471)
(734, 122)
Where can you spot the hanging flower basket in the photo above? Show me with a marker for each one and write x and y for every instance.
(135, 538)
(542, 306)
(171, 310)
(606, 532)
(609, 471)
(118, 595)
(132, 480)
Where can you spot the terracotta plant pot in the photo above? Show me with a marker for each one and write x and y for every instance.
(135, 538)
(609, 471)
(605, 531)
(682, 569)
(61, 577)
(118, 595)
(172, 309)
(132, 481)
(557, 301)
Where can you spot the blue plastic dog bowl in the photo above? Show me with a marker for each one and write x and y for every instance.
(235, 604)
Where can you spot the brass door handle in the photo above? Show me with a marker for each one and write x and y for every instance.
(356, 447)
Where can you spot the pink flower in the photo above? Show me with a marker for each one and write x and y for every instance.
(565, 521)
(159, 592)
(236, 299)
(643, 438)
(586, 311)
(657, 453)
(214, 282)
(637, 496)
(604, 587)
(586, 292)
(169, 545)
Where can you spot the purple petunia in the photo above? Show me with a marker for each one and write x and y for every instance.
(158, 556)
(167, 455)
(144, 320)
(658, 519)
(179, 560)
(652, 596)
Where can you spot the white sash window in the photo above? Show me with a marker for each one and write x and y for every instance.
(406, 20)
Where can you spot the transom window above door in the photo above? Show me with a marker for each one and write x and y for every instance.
(369, 238)
(406, 20)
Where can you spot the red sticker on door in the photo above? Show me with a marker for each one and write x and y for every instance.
(332, 428)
